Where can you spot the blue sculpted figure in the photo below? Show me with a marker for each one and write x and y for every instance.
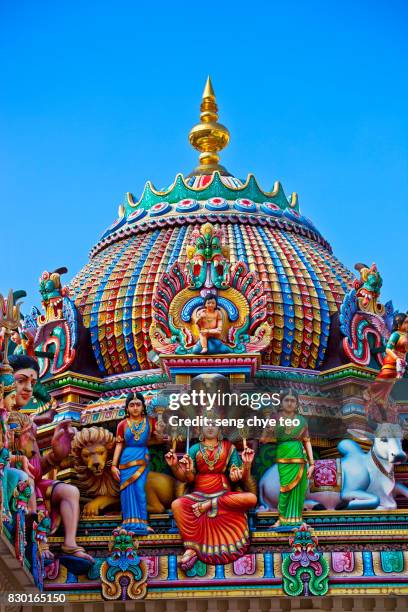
(130, 462)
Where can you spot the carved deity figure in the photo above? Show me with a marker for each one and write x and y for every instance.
(59, 499)
(209, 306)
(52, 292)
(394, 363)
(209, 322)
(293, 453)
(212, 519)
(131, 459)
(368, 288)
(10, 477)
(393, 368)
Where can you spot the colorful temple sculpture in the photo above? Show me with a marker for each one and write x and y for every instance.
(211, 285)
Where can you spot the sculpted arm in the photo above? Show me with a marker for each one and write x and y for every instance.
(117, 453)
(215, 331)
(48, 462)
(115, 461)
(392, 341)
(120, 444)
(268, 435)
(61, 442)
(309, 452)
(197, 316)
(157, 428)
(240, 467)
(219, 322)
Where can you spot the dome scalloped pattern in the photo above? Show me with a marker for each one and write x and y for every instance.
(304, 282)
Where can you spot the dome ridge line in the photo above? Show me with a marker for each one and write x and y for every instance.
(180, 190)
(213, 217)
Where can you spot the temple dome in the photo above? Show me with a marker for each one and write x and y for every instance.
(304, 282)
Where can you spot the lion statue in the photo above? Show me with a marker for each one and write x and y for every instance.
(92, 451)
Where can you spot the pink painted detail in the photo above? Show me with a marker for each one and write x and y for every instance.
(187, 203)
(246, 565)
(217, 202)
(52, 570)
(152, 564)
(343, 561)
(246, 204)
(325, 474)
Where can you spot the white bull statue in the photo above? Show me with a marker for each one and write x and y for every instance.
(367, 479)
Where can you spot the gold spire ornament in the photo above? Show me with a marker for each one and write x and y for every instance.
(209, 137)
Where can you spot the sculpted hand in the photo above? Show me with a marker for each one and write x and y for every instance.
(52, 411)
(248, 456)
(27, 468)
(171, 458)
(160, 426)
(61, 441)
(401, 365)
(187, 463)
(29, 341)
(115, 472)
(310, 471)
(236, 474)
(159, 431)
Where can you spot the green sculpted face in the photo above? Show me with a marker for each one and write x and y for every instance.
(48, 289)
(207, 261)
(373, 282)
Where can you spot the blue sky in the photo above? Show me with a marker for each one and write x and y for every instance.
(98, 97)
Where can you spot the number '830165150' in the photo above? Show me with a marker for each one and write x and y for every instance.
(36, 598)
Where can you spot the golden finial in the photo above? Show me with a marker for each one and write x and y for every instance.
(208, 136)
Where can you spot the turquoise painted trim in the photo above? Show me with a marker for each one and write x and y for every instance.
(231, 369)
(216, 189)
(177, 247)
(240, 244)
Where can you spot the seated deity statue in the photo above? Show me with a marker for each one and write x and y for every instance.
(209, 322)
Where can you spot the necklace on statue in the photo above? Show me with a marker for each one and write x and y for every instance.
(137, 430)
(211, 463)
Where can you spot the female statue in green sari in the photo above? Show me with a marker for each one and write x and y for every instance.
(293, 453)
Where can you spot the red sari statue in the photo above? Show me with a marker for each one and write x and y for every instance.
(212, 519)
(393, 368)
(394, 363)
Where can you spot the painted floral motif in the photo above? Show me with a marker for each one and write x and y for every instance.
(392, 561)
(152, 564)
(245, 565)
(325, 474)
(342, 561)
(305, 571)
(160, 209)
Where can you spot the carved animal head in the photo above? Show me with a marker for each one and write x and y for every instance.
(387, 441)
(95, 458)
(23, 434)
(92, 451)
